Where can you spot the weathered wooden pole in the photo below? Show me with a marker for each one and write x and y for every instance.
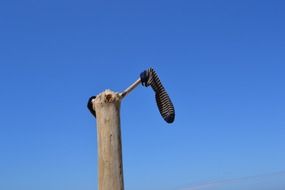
(110, 172)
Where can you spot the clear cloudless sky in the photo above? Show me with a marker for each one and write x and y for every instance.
(222, 63)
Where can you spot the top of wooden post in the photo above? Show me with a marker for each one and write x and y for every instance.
(106, 97)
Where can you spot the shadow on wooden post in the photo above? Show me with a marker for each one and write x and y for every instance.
(110, 172)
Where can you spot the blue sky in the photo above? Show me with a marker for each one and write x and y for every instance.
(222, 63)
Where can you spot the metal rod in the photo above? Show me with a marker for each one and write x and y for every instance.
(130, 88)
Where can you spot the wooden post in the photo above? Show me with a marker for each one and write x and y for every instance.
(110, 165)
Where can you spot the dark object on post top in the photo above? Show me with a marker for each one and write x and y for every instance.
(164, 104)
(90, 106)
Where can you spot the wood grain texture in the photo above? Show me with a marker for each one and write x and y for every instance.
(110, 166)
